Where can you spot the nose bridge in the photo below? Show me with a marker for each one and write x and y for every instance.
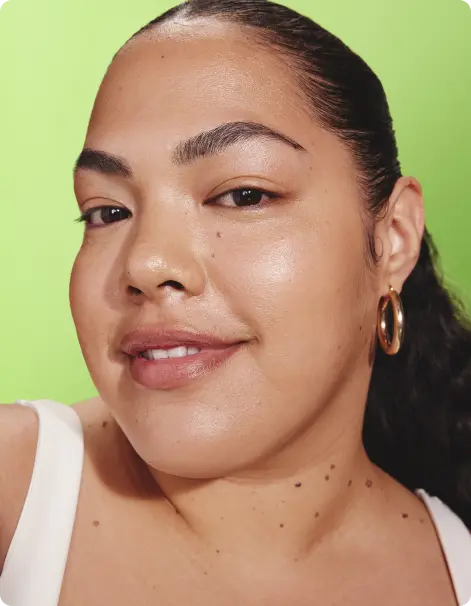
(164, 246)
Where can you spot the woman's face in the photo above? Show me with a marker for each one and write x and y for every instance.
(288, 276)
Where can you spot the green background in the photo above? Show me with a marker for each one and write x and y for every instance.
(53, 55)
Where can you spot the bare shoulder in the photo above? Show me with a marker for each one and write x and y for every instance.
(18, 441)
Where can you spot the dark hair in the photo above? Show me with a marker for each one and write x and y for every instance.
(417, 424)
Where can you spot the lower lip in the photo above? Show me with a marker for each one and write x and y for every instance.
(171, 373)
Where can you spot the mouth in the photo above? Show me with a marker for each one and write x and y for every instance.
(171, 356)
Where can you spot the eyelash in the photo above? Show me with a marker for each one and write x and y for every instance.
(85, 216)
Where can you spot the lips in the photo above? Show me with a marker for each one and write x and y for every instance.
(137, 341)
(171, 373)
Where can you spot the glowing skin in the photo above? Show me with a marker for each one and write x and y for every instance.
(270, 442)
(291, 277)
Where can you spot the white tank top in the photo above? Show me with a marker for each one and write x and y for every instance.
(36, 560)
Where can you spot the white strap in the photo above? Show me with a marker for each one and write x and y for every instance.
(36, 561)
(455, 539)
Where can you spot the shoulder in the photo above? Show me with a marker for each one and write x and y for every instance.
(18, 445)
(18, 442)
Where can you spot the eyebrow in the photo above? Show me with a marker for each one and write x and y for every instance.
(218, 139)
(204, 144)
(102, 162)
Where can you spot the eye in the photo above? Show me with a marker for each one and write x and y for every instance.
(104, 215)
(244, 196)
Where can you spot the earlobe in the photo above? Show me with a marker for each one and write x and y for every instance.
(405, 229)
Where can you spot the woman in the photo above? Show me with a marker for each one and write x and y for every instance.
(266, 431)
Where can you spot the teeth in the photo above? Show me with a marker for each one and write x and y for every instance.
(176, 352)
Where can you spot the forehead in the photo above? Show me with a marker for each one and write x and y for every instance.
(192, 77)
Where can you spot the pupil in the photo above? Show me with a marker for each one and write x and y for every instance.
(245, 197)
(109, 213)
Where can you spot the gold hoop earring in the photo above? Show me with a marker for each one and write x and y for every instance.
(393, 345)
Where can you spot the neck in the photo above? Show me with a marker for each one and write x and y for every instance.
(286, 505)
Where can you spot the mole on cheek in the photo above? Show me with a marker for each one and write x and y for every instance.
(218, 234)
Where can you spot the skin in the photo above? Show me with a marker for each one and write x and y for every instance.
(250, 484)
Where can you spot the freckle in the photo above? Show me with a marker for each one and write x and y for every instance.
(96, 523)
(253, 508)
(163, 56)
(296, 559)
(212, 256)
(217, 551)
(282, 525)
(205, 573)
(104, 424)
(405, 515)
(218, 234)
(332, 466)
(298, 484)
(317, 514)
(421, 520)
(222, 518)
(369, 483)
(349, 483)
(327, 478)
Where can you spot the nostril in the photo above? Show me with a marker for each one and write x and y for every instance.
(173, 284)
(134, 291)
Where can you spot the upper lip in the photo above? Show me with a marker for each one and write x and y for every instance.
(145, 338)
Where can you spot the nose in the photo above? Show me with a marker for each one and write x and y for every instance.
(161, 260)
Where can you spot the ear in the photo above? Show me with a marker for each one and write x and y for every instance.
(400, 234)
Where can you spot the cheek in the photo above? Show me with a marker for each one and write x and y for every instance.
(305, 292)
(93, 316)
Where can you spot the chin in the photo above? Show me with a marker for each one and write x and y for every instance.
(195, 456)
